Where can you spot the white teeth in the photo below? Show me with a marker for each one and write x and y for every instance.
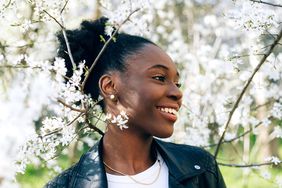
(169, 110)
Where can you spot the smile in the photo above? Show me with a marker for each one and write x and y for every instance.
(168, 113)
(168, 110)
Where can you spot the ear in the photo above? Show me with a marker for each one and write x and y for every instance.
(107, 85)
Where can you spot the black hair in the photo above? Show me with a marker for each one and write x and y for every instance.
(85, 44)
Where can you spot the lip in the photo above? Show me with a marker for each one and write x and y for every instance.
(166, 115)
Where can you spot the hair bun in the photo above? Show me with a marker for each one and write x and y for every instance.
(85, 42)
(98, 27)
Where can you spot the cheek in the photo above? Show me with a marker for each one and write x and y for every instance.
(138, 97)
(140, 104)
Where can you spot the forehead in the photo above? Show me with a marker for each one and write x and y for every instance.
(150, 56)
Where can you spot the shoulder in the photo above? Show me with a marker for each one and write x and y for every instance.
(61, 180)
(187, 163)
(86, 168)
(189, 154)
(184, 150)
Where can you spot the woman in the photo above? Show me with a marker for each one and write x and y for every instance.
(139, 84)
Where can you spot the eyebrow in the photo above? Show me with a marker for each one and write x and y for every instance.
(162, 67)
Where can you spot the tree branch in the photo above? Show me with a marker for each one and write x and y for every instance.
(236, 138)
(262, 105)
(20, 66)
(245, 55)
(66, 3)
(94, 127)
(64, 34)
(54, 19)
(70, 107)
(50, 133)
(266, 3)
(78, 116)
(68, 45)
(246, 165)
(262, 61)
(8, 4)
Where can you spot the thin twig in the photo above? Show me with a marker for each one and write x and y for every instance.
(64, 147)
(262, 105)
(235, 138)
(54, 19)
(20, 66)
(245, 55)
(59, 129)
(262, 61)
(8, 4)
(61, 12)
(19, 47)
(70, 107)
(246, 165)
(64, 34)
(78, 116)
(50, 133)
(66, 38)
(94, 127)
(266, 46)
(68, 48)
(104, 47)
(267, 3)
(272, 35)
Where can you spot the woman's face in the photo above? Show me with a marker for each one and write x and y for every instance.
(148, 91)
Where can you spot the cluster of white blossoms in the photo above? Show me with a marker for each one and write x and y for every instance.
(30, 90)
(51, 6)
(119, 11)
(215, 61)
(60, 129)
(120, 120)
(276, 111)
(253, 16)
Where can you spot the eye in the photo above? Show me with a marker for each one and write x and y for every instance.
(159, 78)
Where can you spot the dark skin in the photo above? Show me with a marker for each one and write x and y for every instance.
(144, 90)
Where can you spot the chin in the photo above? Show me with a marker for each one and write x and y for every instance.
(164, 134)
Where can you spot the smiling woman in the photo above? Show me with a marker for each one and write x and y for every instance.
(139, 84)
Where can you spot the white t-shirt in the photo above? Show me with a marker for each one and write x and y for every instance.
(147, 176)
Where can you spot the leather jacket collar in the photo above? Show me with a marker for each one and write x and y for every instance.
(188, 166)
(179, 167)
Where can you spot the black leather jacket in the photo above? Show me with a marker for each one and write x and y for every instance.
(189, 167)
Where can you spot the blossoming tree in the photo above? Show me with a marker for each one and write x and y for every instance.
(229, 54)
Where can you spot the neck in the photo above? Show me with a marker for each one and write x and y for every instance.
(127, 152)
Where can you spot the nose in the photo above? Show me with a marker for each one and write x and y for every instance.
(175, 93)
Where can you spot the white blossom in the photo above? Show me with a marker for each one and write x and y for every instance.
(273, 159)
(59, 66)
(253, 16)
(266, 122)
(276, 110)
(120, 120)
(277, 132)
